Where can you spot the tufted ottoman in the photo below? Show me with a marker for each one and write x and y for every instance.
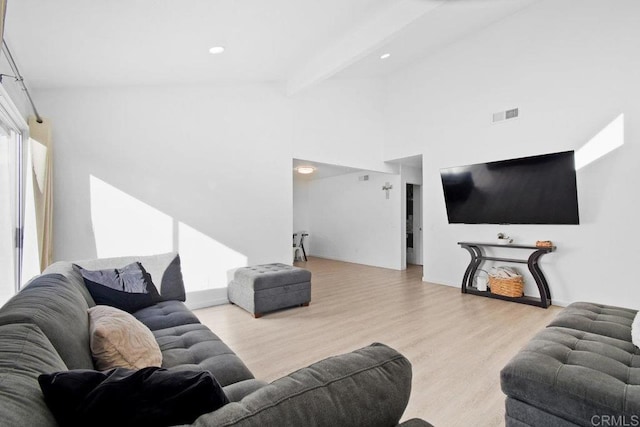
(262, 288)
(581, 370)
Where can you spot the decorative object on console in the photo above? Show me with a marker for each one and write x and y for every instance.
(544, 244)
(503, 239)
(506, 281)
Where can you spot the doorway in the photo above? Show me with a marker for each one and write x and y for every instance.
(414, 224)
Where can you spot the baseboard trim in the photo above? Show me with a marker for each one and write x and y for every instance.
(206, 298)
(354, 262)
(553, 301)
(431, 282)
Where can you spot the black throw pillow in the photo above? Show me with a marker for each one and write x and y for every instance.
(123, 397)
(129, 288)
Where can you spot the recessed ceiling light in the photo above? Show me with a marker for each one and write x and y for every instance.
(305, 170)
(216, 49)
(385, 55)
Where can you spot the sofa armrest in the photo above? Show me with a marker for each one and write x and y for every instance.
(415, 422)
(369, 386)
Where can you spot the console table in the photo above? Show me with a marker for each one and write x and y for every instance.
(478, 257)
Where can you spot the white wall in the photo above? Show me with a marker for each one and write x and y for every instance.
(341, 122)
(202, 170)
(352, 221)
(212, 165)
(571, 71)
(206, 170)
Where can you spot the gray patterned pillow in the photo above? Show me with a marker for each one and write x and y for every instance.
(119, 340)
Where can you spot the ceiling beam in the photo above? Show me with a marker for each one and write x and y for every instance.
(365, 38)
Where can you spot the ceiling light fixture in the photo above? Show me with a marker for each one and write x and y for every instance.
(305, 170)
(385, 55)
(216, 49)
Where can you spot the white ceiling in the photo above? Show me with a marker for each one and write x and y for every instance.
(453, 20)
(412, 161)
(67, 43)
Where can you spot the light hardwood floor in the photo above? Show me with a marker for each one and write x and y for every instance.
(456, 343)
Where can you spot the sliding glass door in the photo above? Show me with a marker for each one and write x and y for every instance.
(10, 210)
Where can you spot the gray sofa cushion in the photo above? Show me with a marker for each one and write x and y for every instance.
(164, 269)
(575, 375)
(368, 387)
(25, 353)
(606, 320)
(165, 314)
(261, 277)
(237, 391)
(60, 311)
(274, 298)
(520, 414)
(194, 346)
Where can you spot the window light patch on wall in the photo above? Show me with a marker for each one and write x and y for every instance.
(607, 140)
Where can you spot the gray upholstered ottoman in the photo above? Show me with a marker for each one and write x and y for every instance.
(262, 288)
(581, 370)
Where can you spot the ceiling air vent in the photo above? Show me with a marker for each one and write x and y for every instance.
(505, 115)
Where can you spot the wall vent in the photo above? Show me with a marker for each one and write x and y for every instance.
(363, 178)
(505, 115)
(511, 114)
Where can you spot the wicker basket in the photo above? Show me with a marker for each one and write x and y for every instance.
(508, 287)
(544, 244)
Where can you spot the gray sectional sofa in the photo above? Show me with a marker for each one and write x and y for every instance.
(45, 329)
(582, 370)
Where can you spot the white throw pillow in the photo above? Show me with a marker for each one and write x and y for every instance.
(119, 340)
(635, 330)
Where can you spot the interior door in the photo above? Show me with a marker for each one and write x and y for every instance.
(417, 225)
(410, 236)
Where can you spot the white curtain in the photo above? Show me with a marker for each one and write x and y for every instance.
(3, 10)
(42, 169)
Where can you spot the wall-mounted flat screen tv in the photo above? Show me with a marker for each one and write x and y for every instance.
(529, 190)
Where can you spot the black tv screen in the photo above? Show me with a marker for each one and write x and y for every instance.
(529, 190)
